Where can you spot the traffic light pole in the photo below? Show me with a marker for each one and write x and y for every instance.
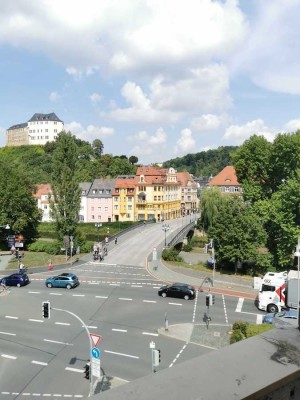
(90, 341)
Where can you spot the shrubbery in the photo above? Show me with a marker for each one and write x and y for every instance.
(171, 255)
(243, 330)
(46, 247)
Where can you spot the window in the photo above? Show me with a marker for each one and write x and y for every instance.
(129, 207)
(107, 191)
(55, 130)
(83, 192)
(116, 198)
(116, 207)
(127, 215)
(99, 209)
(130, 198)
(93, 208)
(101, 191)
(94, 191)
(93, 216)
(46, 130)
(117, 190)
(106, 208)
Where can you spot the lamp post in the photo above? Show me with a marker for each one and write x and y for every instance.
(98, 225)
(297, 254)
(165, 227)
(6, 226)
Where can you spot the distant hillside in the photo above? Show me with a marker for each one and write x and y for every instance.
(205, 163)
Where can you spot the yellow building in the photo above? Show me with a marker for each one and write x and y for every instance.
(123, 199)
(158, 194)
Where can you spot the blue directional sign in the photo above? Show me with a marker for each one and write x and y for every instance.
(95, 352)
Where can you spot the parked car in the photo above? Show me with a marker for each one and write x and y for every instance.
(63, 280)
(181, 290)
(286, 317)
(18, 280)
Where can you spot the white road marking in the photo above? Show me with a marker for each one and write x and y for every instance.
(91, 327)
(62, 323)
(136, 285)
(38, 362)
(225, 310)
(8, 356)
(239, 304)
(8, 316)
(176, 358)
(35, 320)
(124, 298)
(7, 333)
(74, 369)
(78, 295)
(149, 301)
(55, 294)
(175, 304)
(101, 297)
(149, 333)
(34, 292)
(121, 354)
(56, 342)
(119, 330)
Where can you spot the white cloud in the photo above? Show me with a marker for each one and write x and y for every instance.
(292, 125)
(203, 89)
(237, 134)
(146, 144)
(186, 143)
(90, 133)
(209, 122)
(271, 54)
(124, 35)
(54, 96)
(95, 98)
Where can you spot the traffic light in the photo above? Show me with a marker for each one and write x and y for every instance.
(207, 300)
(213, 299)
(156, 357)
(46, 309)
(87, 371)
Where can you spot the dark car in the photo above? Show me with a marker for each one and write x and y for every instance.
(16, 280)
(64, 280)
(286, 317)
(180, 290)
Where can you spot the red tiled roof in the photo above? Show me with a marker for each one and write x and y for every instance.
(42, 190)
(227, 177)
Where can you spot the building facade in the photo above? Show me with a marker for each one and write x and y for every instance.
(42, 195)
(99, 200)
(40, 129)
(227, 181)
(189, 189)
(124, 199)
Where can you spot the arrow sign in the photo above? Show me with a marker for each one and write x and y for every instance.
(95, 339)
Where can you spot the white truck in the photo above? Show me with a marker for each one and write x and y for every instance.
(278, 290)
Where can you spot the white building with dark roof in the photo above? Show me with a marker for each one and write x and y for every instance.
(40, 129)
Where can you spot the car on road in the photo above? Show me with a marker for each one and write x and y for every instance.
(64, 280)
(179, 290)
(18, 280)
(285, 317)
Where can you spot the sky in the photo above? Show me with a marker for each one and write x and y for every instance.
(151, 78)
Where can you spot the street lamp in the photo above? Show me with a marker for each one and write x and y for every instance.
(6, 226)
(165, 227)
(98, 225)
(297, 254)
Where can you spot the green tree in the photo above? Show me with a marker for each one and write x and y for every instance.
(18, 207)
(251, 162)
(98, 147)
(65, 205)
(133, 160)
(210, 202)
(284, 158)
(283, 224)
(238, 235)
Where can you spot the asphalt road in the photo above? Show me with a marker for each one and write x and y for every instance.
(116, 299)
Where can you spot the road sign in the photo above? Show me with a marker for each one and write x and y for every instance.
(95, 339)
(95, 352)
(96, 368)
(154, 254)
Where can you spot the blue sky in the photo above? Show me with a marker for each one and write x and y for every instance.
(151, 78)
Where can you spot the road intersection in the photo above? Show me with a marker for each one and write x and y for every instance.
(118, 300)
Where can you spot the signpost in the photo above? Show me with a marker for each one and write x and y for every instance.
(154, 258)
(96, 366)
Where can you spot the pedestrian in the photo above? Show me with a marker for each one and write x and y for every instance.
(106, 239)
(21, 268)
(116, 240)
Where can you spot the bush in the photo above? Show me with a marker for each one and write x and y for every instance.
(46, 247)
(187, 247)
(171, 255)
(243, 330)
(199, 241)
